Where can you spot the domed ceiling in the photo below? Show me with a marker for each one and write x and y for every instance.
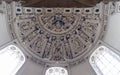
(57, 34)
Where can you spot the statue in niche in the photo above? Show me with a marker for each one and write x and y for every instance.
(57, 54)
(46, 53)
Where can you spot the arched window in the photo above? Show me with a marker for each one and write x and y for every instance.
(11, 60)
(105, 62)
(56, 71)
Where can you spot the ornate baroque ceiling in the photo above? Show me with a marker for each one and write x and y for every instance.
(57, 34)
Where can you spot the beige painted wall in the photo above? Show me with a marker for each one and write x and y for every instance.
(112, 36)
(4, 34)
(83, 68)
(31, 68)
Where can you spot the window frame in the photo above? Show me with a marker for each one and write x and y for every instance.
(112, 51)
(20, 63)
(54, 69)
